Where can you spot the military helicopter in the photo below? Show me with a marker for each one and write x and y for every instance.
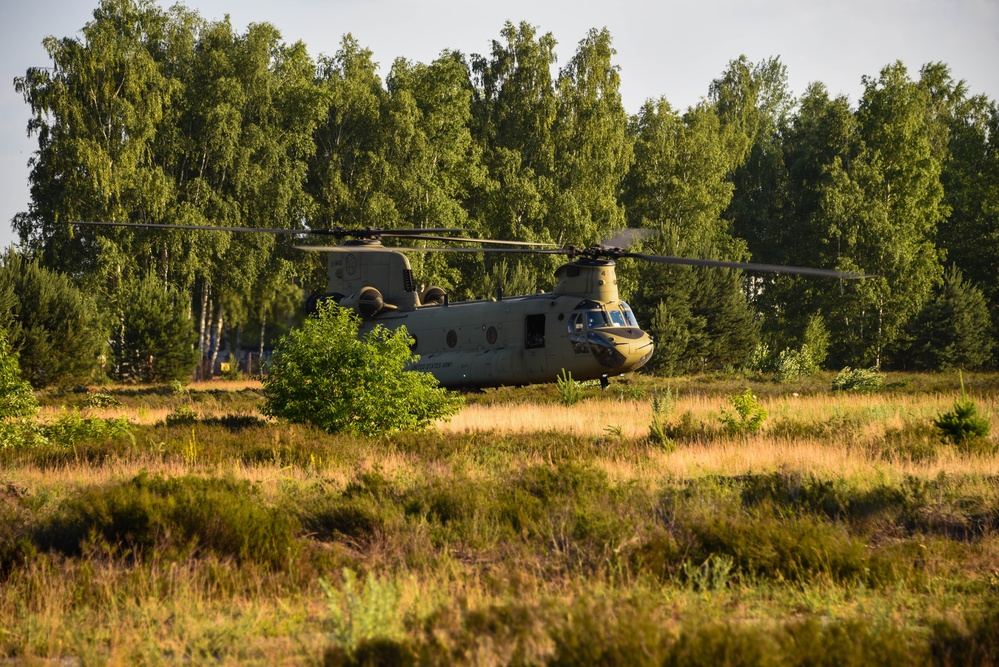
(582, 327)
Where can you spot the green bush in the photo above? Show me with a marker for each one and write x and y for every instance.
(101, 400)
(323, 374)
(66, 432)
(858, 379)
(963, 425)
(16, 398)
(749, 414)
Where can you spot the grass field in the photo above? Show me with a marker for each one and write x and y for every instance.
(523, 531)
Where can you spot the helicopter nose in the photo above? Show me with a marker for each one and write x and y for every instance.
(621, 348)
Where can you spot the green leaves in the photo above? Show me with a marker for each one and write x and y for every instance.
(322, 374)
(16, 398)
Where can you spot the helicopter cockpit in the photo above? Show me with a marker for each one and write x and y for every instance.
(590, 316)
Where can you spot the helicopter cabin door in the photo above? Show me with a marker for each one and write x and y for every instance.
(535, 361)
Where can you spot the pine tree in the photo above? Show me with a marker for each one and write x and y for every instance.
(954, 329)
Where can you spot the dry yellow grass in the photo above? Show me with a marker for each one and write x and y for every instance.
(735, 455)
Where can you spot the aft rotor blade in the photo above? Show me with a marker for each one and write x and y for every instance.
(522, 251)
(623, 238)
(459, 239)
(747, 266)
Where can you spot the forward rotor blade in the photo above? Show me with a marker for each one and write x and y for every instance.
(747, 266)
(336, 232)
(209, 228)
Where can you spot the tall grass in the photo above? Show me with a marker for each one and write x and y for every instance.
(524, 532)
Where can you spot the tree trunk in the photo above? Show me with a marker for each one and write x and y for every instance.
(202, 330)
(263, 327)
(217, 345)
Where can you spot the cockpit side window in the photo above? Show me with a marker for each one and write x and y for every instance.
(617, 317)
(629, 316)
(595, 319)
(587, 315)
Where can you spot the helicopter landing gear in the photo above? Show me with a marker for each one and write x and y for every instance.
(604, 382)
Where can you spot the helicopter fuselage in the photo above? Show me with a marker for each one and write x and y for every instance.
(581, 327)
(522, 340)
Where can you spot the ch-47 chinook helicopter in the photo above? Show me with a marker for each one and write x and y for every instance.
(582, 327)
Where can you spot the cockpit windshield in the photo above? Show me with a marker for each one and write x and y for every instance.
(590, 315)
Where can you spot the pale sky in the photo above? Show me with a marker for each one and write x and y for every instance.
(664, 49)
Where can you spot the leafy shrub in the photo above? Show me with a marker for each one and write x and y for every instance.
(322, 374)
(858, 379)
(791, 364)
(66, 432)
(16, 397)
(749, 414)
(101, 400)
(72, 428)
(570, 391)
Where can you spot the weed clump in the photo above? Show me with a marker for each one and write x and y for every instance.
(570, 391)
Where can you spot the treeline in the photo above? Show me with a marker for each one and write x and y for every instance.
(160, 116)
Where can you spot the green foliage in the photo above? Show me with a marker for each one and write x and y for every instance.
(323, 374)
(363, 611)
(54, 327)
(16, 398)
(157, 335)
(663, 404)
(962, 426)
(570, 391)
(150, 516)
(793, 364)
(67, 432)
(182, 415)
(749, 414)
(101, 400)
(858, 379)
(954, 329)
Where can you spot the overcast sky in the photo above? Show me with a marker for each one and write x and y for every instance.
(664, 49)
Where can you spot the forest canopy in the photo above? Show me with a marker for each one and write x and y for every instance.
(160, 116)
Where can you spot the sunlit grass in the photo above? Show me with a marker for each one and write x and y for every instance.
(520, 531)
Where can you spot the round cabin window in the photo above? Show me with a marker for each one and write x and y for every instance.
(452, 338)
(491, 335)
